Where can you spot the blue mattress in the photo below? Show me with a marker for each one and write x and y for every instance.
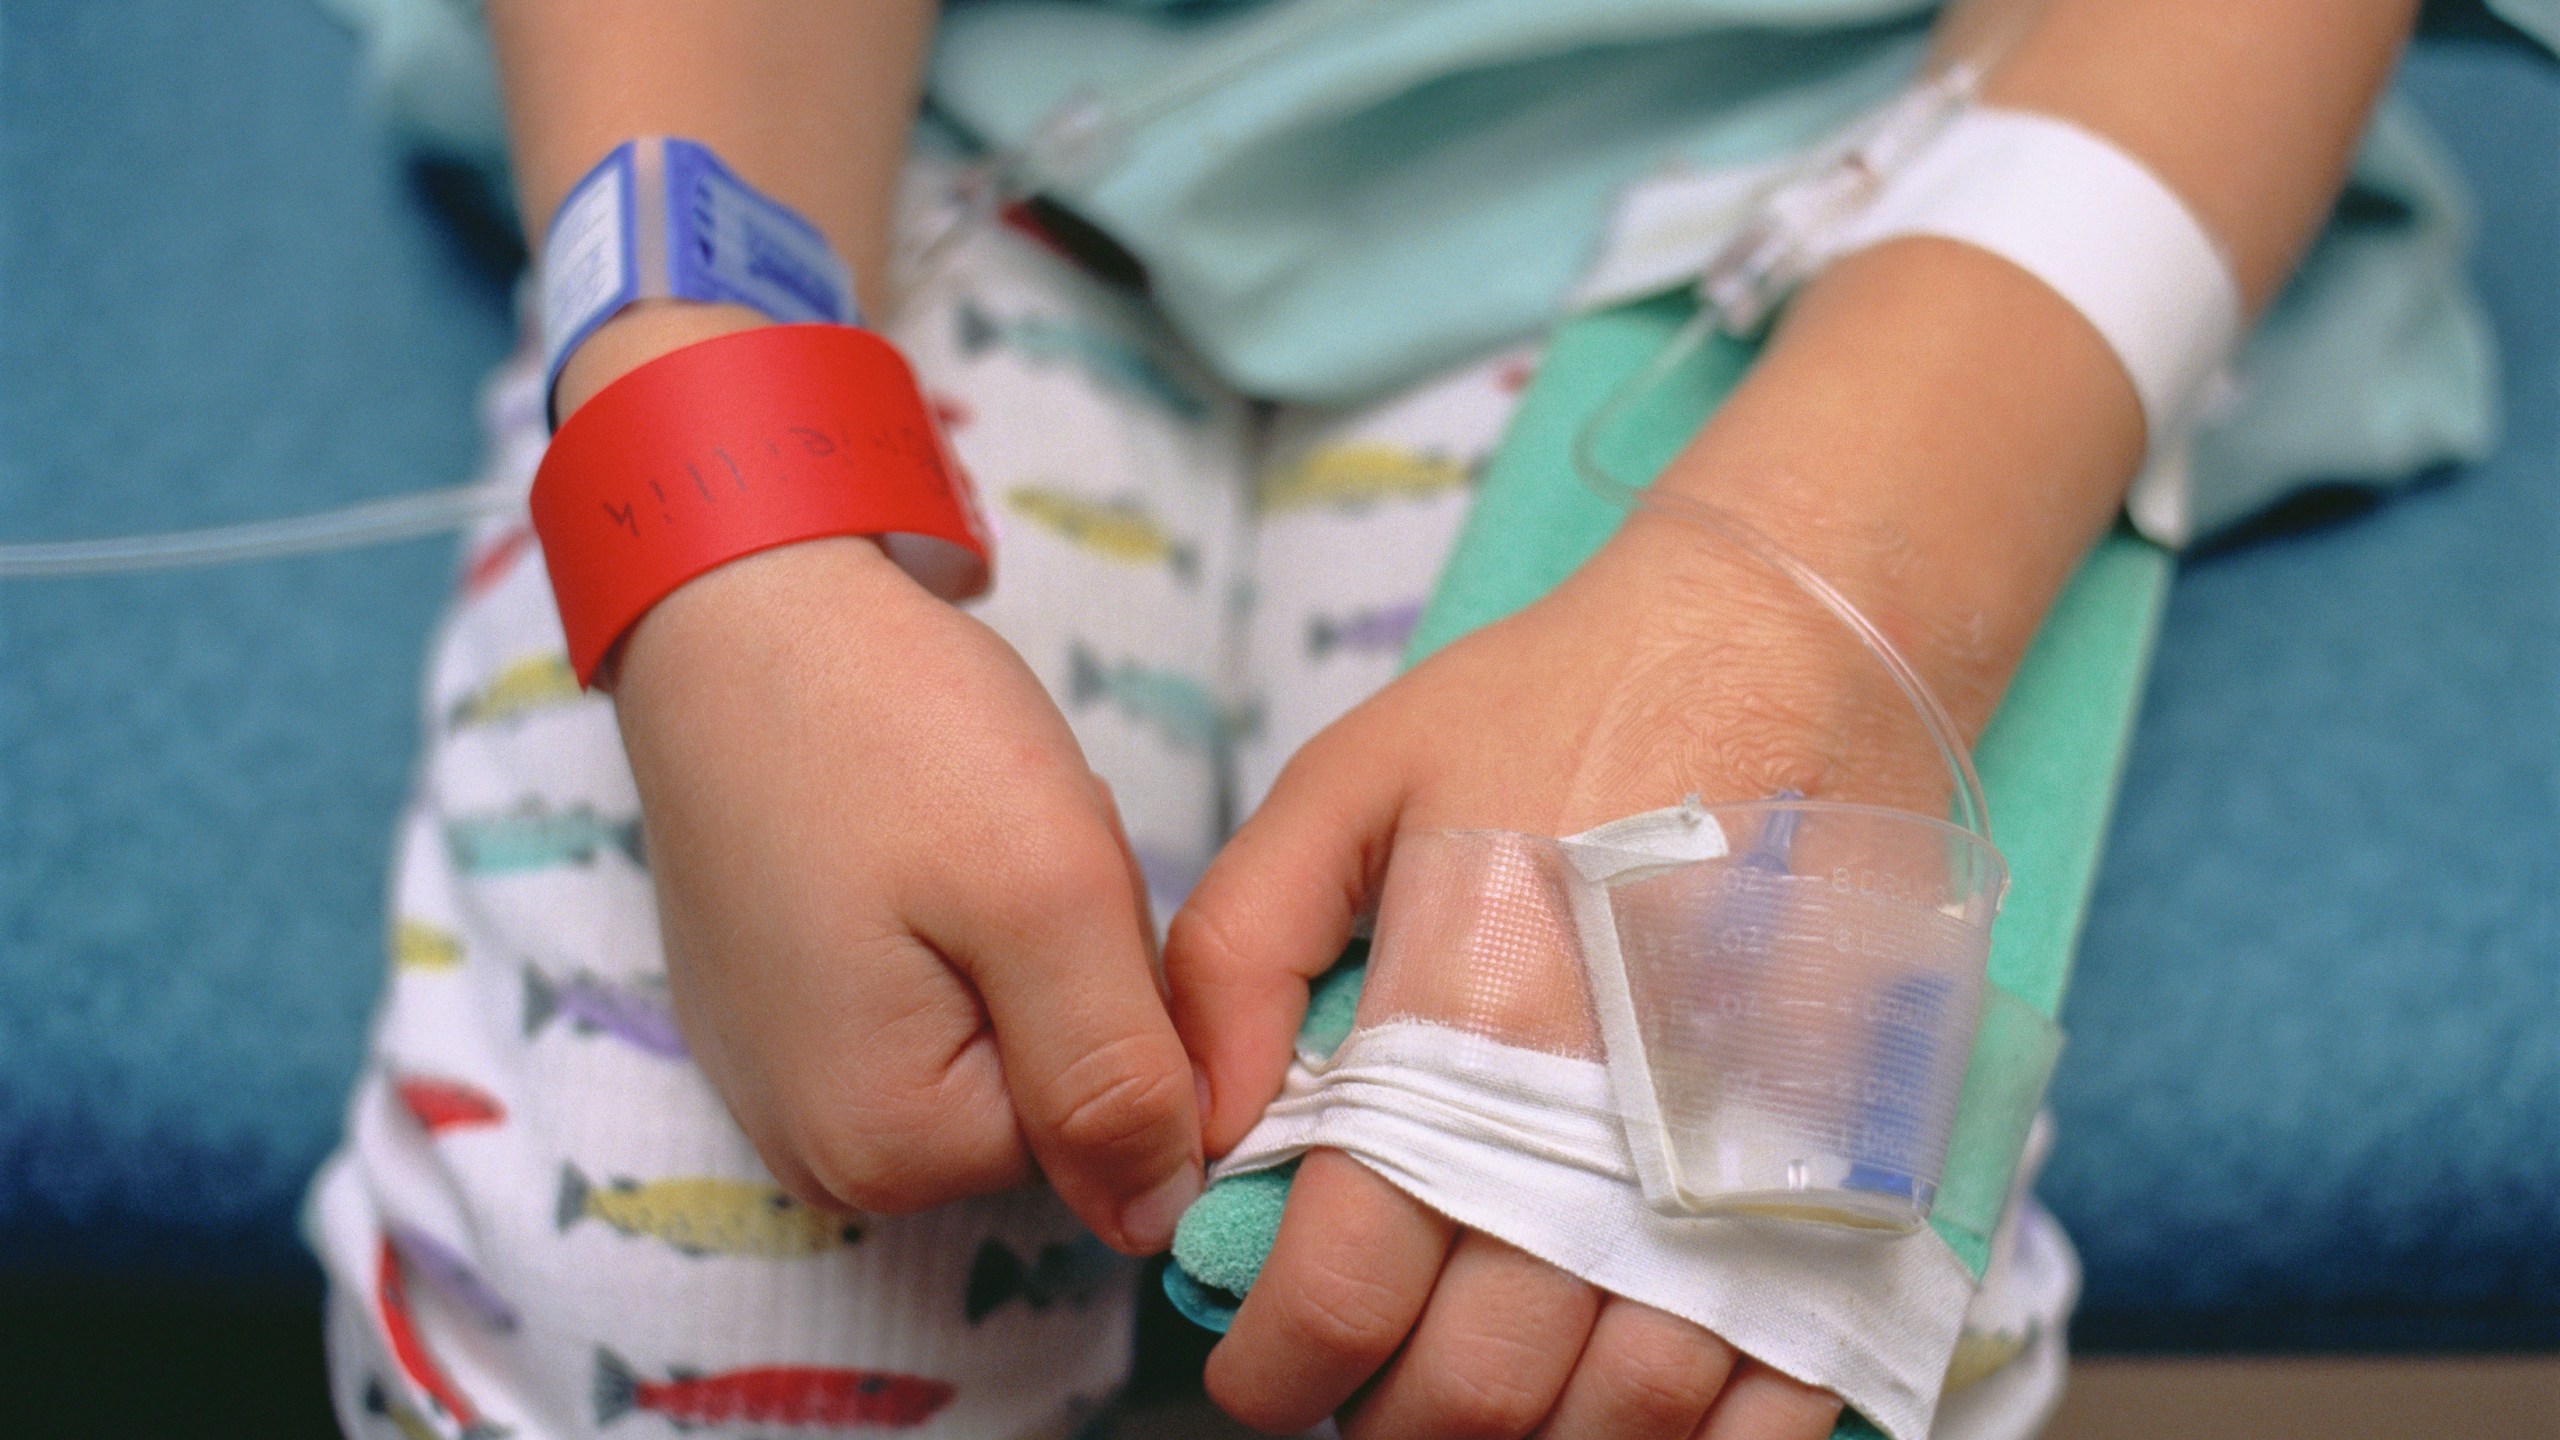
(2315, 1072)
(221, 297)
(2313, 1091)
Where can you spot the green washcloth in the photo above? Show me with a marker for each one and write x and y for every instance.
(1222, 1240)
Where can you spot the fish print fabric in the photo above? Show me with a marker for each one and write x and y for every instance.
(543, 1224)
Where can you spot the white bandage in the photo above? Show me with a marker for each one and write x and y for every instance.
(1526, 1146)
(2087, 219)
(1646, 1057)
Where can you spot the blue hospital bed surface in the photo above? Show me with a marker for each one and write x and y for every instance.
(220, 298)
(2314, 1076)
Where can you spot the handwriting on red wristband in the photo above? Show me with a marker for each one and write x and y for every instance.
(738, 444)
(798, 442)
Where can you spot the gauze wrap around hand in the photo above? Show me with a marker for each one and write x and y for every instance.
(1519, 1063)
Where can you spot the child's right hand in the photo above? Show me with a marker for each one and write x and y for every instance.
(905, 936)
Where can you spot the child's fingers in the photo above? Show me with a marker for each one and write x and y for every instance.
(1353, 1263)
(1645, 1375)
(1763, 1404)
(895, 1107)
(1099, 1079)
(1273, 912)
(1492, 1353)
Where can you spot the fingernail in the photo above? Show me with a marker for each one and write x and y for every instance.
(1148, 1221)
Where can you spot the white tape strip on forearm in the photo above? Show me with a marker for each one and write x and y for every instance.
(2090, 221)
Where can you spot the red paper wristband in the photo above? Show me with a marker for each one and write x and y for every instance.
(738, 444)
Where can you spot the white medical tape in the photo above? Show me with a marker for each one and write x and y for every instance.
(2089, 220)
(1527, 1146)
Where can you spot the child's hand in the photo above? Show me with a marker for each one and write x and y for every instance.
(905, 936)
(1668, 666)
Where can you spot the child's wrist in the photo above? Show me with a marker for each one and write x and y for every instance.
(735, 443)
(1902, 579)
(754, 608)
(1747, 685)
(1941, 438)
(641, 333)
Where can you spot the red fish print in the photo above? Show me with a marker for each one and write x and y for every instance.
(441, 1104)
(1515, 375)
(491, 565)
(410, 1350)
(771, 1395)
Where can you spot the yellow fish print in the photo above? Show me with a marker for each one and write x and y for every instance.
(530, 684)
(705, 1215)
(1358, 475)
(417, 945)
(1121, 530)
(1978, 1353)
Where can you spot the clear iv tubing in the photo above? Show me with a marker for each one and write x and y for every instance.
(374, 522)
(1972, 812)
(1777, 249)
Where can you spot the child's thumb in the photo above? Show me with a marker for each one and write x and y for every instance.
(1273, 912)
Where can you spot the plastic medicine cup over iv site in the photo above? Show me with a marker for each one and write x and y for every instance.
(1365, 718)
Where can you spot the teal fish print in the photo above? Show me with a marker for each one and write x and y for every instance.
(1116, 363)
(534, 836)
(1172, 704)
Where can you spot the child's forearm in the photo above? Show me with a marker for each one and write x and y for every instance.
(1942, 434)
(810, 102)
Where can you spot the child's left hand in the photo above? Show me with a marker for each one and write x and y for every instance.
(1670, 665)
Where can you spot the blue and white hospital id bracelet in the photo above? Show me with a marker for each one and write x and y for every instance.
(662, 217)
